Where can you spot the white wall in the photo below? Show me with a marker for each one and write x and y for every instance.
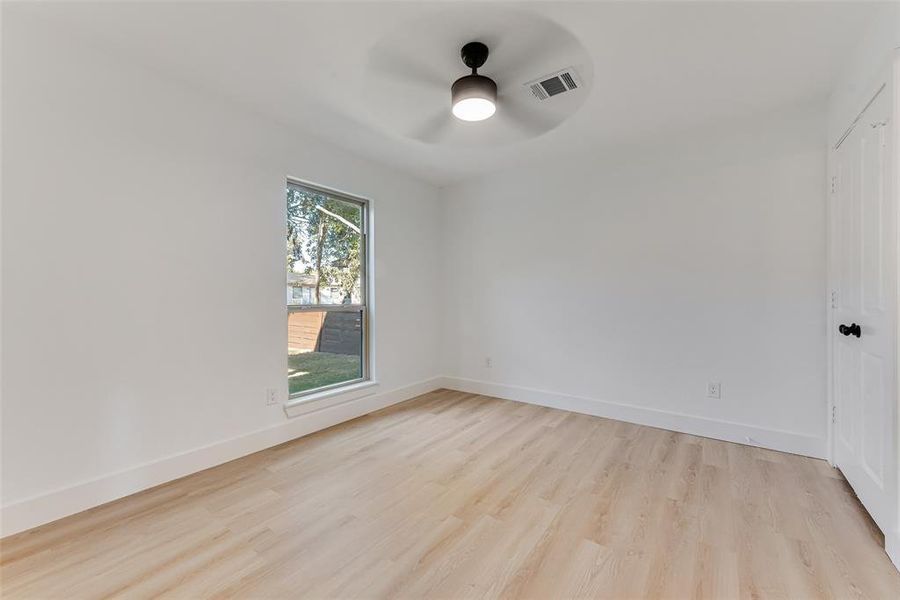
(870, 58)
(622, 284)
(126, 199)
(614, 284)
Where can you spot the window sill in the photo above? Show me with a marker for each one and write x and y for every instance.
(324, 399)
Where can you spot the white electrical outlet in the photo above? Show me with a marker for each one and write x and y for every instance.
(714, 390)
(488, 362)
(271, 396)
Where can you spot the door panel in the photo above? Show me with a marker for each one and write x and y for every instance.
(873, 407)
(872, 240)
(848, 396)
(864, 237)
(848, 231)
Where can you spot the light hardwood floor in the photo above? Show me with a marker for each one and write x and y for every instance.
(453, 495)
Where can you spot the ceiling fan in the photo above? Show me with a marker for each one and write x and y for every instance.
(493, 103)
(474, 97)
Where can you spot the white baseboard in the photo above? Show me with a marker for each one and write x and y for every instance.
(774, 439)
(63, 502)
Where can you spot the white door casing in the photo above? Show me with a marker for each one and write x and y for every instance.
(864, 258)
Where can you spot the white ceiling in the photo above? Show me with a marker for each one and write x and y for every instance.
(658, 68)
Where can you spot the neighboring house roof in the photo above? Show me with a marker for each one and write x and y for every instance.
(306, 279)
(301, 279)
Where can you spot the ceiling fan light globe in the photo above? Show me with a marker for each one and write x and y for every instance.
(474, 109)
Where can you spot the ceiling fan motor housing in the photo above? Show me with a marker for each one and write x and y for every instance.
(474, 86)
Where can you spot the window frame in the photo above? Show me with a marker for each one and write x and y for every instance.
(364, 307)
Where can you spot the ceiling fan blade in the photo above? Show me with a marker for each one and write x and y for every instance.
(523, 60)
(435, 128)
(402, 68)
(522, 116)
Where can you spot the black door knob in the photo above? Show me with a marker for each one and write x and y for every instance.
(851, 329)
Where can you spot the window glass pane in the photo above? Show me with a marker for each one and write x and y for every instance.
(325, 271)
(323, 248)
(324, 348)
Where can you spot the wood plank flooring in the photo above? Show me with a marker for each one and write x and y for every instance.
(454, 495)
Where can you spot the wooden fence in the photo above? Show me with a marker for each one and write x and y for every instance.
(313, 331)
(303, 331)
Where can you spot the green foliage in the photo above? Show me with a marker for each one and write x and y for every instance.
(321, 243)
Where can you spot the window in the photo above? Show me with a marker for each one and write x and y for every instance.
(326, 289)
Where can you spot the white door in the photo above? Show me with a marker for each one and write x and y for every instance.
(864, 216)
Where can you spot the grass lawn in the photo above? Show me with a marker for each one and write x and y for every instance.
(316, 369)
